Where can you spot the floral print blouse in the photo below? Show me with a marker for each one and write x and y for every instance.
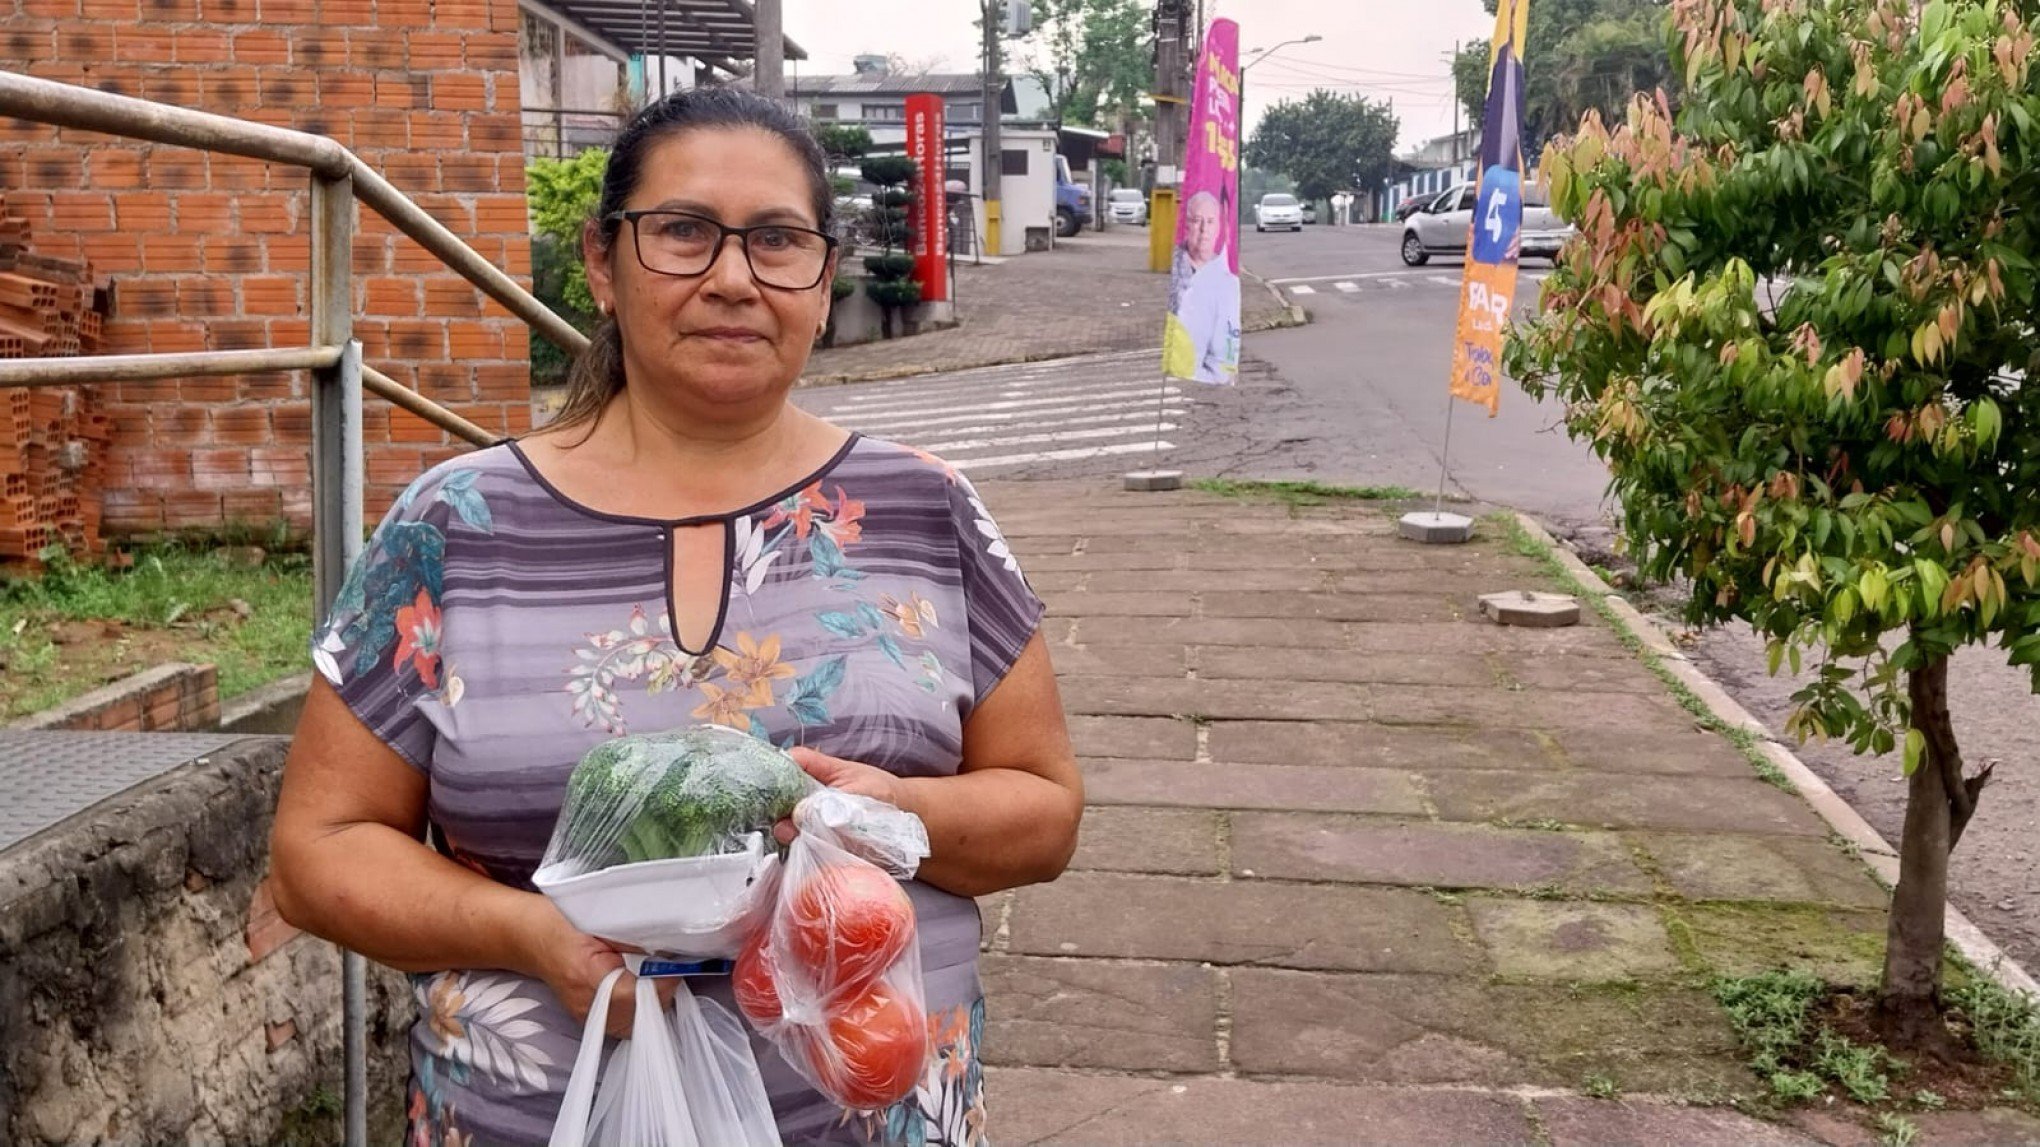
(494, 630)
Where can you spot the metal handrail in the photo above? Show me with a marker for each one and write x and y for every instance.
(338, 375)
(145, 367)
(67, 105)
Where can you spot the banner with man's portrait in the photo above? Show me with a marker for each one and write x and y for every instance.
(1202, 339)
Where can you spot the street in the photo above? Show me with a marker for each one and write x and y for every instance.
(1358, 397)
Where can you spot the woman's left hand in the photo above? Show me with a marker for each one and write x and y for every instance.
(847, 776)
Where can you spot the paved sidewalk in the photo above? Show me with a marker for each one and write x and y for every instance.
(1360, 867)
(1091, 294)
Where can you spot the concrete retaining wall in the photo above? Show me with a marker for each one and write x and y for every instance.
(149, 995)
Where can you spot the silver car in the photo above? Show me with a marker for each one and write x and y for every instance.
(1445, 226)
(1127, 205)
(1278, 210)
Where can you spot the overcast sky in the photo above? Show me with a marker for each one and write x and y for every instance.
(1383, 49)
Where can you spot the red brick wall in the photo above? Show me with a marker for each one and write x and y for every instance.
(211, 251)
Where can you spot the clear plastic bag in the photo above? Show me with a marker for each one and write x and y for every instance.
(685, 1078)
(699, 791)
(664, 840)
(834, 980)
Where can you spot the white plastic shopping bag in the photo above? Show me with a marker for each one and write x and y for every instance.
(685, 1078)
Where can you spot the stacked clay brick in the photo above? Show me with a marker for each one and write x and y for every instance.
(53, 440)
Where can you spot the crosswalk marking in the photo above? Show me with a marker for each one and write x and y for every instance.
(1348, 288)
(1038, 417)
(1105, 393)
(1444, 281)
(1036, 439)
(1301, 289)
(1397, 284)
(1063, 455)
(1099, 406)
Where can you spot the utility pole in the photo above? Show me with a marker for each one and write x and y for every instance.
(770, 81)
(1171, 104)
(1455, 109)
(994, 89)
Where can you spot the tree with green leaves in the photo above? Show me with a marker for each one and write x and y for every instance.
(1326, 141)
(1798, 327)
(1580, 56)
(1093, 58)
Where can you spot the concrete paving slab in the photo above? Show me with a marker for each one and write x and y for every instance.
(1216, 700)
(1588, 639)
(1465, 671)
(1599, 1123)
(1100, 1014)
(1269, 634)
(1173, 581)
(1182, 842)
(1299, 846)
(1330, 607)
(1761, 868)
(1122, 605)
(1572, 941)
(1578, 674)
(1526, 709)
(1689, 750)
(1163, 738)
(1120, 660)
(1066, 1109)
(1688, 803)
(1224, 786)
(1358, 744)
(1449, 1030)
(1238, 922)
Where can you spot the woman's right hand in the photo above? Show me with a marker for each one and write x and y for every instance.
(573, 964)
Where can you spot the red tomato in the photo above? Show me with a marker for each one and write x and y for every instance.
(755, 982)
(846, 924)
(877, 1050)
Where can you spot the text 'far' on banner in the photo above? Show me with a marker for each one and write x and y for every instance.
(1201, 340)
(1488, 291)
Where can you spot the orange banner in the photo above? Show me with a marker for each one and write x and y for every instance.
(1487, 291)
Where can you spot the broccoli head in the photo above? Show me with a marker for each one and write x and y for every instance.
(690, 792)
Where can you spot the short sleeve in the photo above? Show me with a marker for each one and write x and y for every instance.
(380, 646)
(1003, 611)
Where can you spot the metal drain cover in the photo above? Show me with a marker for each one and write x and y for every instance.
(49, 776)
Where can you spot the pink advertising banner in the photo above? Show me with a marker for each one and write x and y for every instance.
(1202, 337)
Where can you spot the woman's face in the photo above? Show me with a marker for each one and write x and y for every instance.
(720, 340)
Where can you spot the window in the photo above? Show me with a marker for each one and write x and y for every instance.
(886, 113)
(967, 113)
(1466, 198)
(1278, 200)
(1012, 163)
(822, 111)
(1126, 195)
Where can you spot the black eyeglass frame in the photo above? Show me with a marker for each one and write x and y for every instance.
(724, 231)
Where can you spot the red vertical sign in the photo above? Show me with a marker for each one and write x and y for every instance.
(925, 146)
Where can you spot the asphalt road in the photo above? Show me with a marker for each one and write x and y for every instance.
(1358, 397)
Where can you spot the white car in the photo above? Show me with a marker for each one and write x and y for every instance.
(1278, 210)
(1129, 206)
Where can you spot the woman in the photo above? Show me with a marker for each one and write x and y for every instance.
(682, 545)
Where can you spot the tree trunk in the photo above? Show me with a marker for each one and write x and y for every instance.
(1939, 803)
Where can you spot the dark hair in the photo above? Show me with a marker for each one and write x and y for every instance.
(597, 375)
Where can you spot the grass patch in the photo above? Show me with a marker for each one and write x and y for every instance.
(1298, 494)
(2005, 1029)
(1797, 1058)
(1600, 1086)
(77, 627)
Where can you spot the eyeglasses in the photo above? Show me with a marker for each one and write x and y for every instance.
(686, 246)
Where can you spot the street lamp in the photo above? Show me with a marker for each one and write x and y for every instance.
(1260, 55)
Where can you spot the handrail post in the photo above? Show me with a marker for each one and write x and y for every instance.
(336, 526)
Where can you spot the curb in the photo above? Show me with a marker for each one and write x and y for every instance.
(1844, 820)
(1292, 314)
